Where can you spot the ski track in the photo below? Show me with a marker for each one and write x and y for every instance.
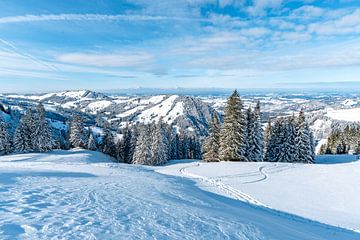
(236, 194)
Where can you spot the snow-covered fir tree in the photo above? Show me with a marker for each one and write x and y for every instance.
(258, 137)
(194, 148)
(41, 135)
(124, 146)
(175, 142)
(249, 133)
(5, 144)
(254, 135)
(142, 154)
(304, 141)
(267, 135)
(23, 142)
(159, 144)
(210, 148)
(108, 143)
(290, 141)
(135, 133)
(91, 142)
(78, 136)
(274, 141)
(233, 130)
(287, 141)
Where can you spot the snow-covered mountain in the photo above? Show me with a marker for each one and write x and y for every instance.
(183, 112)
(191, 113)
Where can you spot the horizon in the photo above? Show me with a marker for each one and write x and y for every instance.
(188, 44)
(199, 91)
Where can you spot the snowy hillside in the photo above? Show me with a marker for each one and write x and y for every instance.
(325, 192)
(82, 195)
(192, 113)
(183, 112)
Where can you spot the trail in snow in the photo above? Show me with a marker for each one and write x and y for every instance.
(308, 190)
(219, 184)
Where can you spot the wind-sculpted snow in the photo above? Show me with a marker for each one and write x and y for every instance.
(83, 195)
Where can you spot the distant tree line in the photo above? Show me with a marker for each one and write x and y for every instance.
(241, 137)
(343, 141)
(151, 144)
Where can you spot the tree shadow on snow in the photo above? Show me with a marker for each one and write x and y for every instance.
(336, 159)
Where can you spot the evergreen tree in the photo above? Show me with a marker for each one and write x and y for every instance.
(5, 146)
(124, 146)
(281, 146)
(135, 133)
(290, 141)
(159, 144)
(272, 148)
(287, 141)
(210, 149)
(258, 138)
(108, 144)
(250, 134)
(175, 142)
(142, 154)
(305, 150)
(267, 135)
(92, 142)
(232, 132)
(41, 135)
(23, 142)
(77, 132)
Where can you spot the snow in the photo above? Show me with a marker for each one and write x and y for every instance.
(70, 94)
(81, 194)
(325, 192)
(349, 102)
(130, 112)
(71, 104)
(97, 106)
(351, 115)
(319, 144)
(165, 108)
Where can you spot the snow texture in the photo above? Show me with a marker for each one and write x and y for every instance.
(81, 194)
(324, 192)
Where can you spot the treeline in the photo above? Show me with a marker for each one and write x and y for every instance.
(241, 137)
(343, 141)
(150, 144)
(33, 134)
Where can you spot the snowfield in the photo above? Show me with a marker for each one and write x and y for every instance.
(327, 192)
(350, 115)
(81, 194)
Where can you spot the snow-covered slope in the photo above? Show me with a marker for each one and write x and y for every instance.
(82, 195)
(326, 192)
(349, 115)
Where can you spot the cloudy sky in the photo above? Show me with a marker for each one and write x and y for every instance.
(110, 44)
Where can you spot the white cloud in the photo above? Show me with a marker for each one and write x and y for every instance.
(107, 60)
(308, 12)
(91, 17)
(259, 7)
(347, 24)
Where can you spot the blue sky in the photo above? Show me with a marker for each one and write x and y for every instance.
(110, 44)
